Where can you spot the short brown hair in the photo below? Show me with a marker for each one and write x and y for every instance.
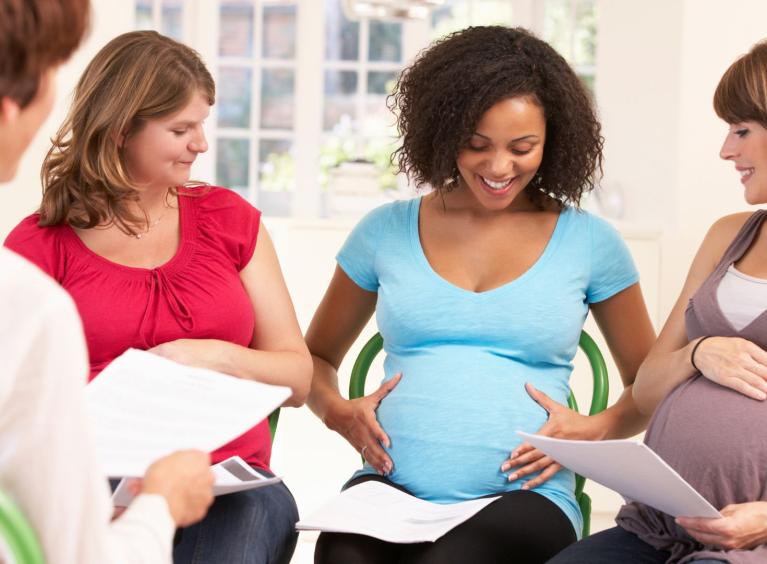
(136, 77)
(442, 96)
(34, 36)
(742, 91)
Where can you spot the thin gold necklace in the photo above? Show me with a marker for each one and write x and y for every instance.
(151, 224)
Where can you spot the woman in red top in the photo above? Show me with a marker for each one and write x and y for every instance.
(153, 263)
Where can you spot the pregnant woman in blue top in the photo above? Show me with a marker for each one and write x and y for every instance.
(480, 290)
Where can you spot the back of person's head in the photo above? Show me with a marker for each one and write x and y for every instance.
(742, 91)
(440, 99)
(137, 77)
(36, 35)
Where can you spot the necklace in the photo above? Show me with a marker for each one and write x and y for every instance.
(152, 224)
(149, 227)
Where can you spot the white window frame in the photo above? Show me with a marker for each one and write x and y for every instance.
(201, 32)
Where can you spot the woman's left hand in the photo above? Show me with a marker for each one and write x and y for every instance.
(201, 353)
(742, 526)
(563, 423)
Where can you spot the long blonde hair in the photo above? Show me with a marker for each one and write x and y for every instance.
(136, 77)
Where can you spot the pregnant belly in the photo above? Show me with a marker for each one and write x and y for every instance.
(445, 452)
(713, 437)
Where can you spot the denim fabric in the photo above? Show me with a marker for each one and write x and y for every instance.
(250, 527)
(615, 545)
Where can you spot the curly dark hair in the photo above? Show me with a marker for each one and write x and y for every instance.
(441, 97)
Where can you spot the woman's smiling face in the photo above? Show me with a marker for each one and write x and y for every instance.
(504, 153)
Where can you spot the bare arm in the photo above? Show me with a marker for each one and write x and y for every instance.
(343, 313)
(668, 363)
(277, 352)
(626, 326)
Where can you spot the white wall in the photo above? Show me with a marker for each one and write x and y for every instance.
(658, 64)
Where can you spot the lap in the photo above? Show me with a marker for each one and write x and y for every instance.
(250, 527)
(610, 546)
(521, 526)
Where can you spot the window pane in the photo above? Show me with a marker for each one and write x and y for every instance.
(460, 14)
(232, 163)
(341, 35)
(556, 26)
(235, 37)
(144, 14)
(173, 19)
(277, 99)
(279, 32)
(275, 165)
(380, 85)
(588, 82)
(234, 88)
(340, 91)
(385, 41)
(585, 31)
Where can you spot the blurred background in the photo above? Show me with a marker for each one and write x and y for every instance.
(301, 129)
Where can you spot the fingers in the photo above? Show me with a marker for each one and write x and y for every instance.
(520, 450)
(376, 456)
(386, 387)
(698, 524)
(531, 463)
(527, 457)
(373, 436)
(709, 532)
(542, 477)
(748, 384)
(540, 398)
(758, 354)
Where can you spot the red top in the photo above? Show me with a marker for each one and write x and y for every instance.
(197, 294)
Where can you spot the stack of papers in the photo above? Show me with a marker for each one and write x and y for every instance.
(231, 475)
(630, 468)
(143, 407)
(381, 511)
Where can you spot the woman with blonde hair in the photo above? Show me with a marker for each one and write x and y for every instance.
(154, 262)
(706, 377)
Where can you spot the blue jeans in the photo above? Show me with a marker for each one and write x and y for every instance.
(615, 545)
(251, 527)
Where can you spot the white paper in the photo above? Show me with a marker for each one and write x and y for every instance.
(381, 511)
(230, 475)
(630, 468)
(142, 407)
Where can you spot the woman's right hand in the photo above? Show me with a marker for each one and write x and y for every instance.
(355, 420)
(735, 363)
(185, 481)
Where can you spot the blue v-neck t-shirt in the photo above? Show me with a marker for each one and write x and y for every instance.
(465, 356)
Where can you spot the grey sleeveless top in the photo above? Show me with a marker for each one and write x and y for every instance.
(713, 436)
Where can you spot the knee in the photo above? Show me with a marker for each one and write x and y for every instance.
(335, 548)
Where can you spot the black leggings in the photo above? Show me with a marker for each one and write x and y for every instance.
(522, 527)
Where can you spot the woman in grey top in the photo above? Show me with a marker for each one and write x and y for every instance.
(707, 374)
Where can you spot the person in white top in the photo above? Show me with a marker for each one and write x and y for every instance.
(47, 460)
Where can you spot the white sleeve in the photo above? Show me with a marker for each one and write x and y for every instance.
(47, 459)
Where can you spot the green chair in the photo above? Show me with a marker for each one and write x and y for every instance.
(598, 398)
(274, 417)
(17, 534)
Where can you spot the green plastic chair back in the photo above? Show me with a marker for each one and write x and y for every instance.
(274, 417)
(598, 398)
(17, 534)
